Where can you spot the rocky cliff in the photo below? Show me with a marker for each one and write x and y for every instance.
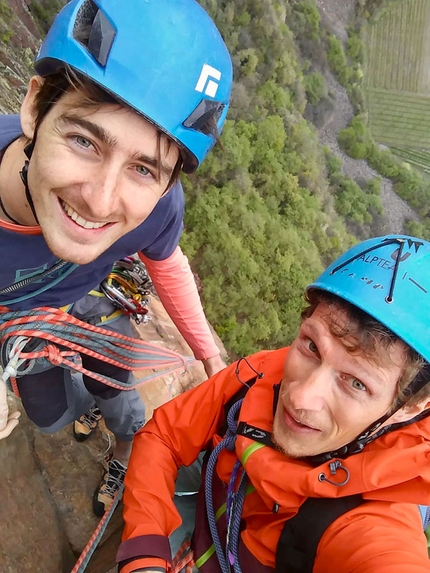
(19, 41)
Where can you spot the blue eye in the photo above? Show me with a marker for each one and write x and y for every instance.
(312, 346)
(142, 170)
(357, 385)
(83, 141)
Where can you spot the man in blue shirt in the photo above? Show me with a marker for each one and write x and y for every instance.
(128, 95)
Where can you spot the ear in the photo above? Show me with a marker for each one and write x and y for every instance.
(28, 108)
(408, 412)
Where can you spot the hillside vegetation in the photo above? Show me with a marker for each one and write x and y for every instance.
(267, 212)
(394, 32)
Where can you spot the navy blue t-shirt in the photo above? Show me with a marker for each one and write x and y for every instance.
(23, 256)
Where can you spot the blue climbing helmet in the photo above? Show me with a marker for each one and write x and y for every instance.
(163, 58)
(389, 278)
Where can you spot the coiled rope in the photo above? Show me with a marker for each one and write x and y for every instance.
(51, 335)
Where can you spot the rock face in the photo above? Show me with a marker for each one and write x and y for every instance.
(48, 480)
(19, 41)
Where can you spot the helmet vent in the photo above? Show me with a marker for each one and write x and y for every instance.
(205, 117)
(94, 31)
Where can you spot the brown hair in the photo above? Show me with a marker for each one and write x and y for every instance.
(56, 85)
(362, 334)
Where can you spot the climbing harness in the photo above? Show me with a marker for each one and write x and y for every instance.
(127, 286)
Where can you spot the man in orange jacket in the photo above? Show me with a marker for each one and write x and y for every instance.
(341, 414)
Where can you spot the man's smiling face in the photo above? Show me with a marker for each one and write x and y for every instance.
(328, 395)
(93, 175)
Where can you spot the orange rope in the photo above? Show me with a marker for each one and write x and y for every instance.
(19, 325)
(90, 547)
(184, 559)
(15, 387)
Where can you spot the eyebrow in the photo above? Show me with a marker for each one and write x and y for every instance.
(314, 331)
(102, 135)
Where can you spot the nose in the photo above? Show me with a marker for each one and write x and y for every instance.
(101, 193)
(309, 391)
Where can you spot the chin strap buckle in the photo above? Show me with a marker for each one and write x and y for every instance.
(334, 466)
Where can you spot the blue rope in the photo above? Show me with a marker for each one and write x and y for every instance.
(233, 524)
(234, 500)
(230, 490)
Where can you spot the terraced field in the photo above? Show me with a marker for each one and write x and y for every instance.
(399, 117)
(420, 159)
(397, 48)
(398, 80)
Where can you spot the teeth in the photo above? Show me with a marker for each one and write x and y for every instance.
(80, 220)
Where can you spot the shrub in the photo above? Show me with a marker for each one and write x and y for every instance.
(337, 60)
(315, 87)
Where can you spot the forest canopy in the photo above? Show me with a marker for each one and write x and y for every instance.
(270, 209)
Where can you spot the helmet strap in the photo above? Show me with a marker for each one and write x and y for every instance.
(28, 150)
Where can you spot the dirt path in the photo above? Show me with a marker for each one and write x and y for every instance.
(336, 14)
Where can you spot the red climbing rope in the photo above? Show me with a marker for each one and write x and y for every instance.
(67, 337)
(184, 559)
(90, 547)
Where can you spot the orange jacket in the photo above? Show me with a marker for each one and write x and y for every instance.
(384, 535)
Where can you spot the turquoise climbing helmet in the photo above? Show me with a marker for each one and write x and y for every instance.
(389, 278)
(163, 58)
